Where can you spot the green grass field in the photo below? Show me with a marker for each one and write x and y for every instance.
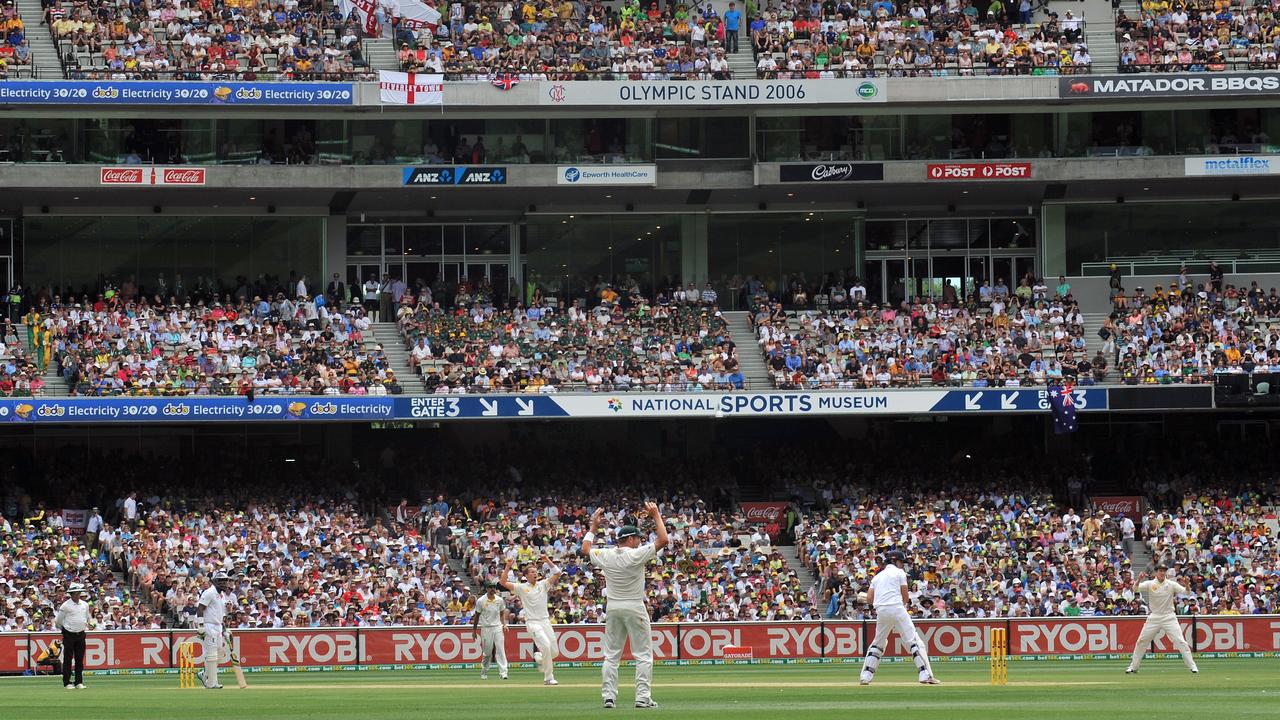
(1225, 688)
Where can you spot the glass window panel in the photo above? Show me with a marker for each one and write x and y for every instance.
(928, 137)
(886, 234)
(488, 239)
(364, 240)
(392, 241)
(454, 239)
(423, 240)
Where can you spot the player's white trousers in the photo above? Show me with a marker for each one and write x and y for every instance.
(622, 620)
(216, 652)
(889, 619)
(492, 645)
(544, 638)
(1152, 630)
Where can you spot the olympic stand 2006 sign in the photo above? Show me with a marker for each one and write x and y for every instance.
(713, 92)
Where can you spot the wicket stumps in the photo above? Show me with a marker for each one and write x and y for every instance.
(999, 656)
(186, 666)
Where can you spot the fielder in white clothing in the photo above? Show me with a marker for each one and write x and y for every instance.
(888, 595)
(537, 620)
(212, 608)
(490, 625)
(626, 613)
(1162, 619)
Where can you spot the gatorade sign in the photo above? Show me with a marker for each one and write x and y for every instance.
(979, 171)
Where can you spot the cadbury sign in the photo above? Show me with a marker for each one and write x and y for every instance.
(152, 175)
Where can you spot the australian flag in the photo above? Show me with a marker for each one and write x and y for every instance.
(1064, 409)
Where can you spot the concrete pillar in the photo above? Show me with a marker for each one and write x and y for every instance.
(335, 246)
(1053, 241)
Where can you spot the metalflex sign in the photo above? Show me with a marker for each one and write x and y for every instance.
(713, 93)
(79, 410)
(454, 175)
(1220, 165)
(1182, 85)
(141, 92)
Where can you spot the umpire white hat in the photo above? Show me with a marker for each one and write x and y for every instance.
(75, 588)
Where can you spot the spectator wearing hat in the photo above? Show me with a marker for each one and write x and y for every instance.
(73, 619)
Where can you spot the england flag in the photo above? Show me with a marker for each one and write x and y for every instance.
(399, 88)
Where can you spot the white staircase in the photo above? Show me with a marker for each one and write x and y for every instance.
(755, 372)
(387, 335)
(381, 54)
(44, 54)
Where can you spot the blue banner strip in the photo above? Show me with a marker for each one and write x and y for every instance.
(143, 92)
(76, 410)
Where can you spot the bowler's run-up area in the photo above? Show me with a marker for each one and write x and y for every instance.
(797, 669)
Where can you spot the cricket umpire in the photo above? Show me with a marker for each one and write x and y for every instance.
(73, 619)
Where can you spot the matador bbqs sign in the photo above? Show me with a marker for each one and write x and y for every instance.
(1191, 85)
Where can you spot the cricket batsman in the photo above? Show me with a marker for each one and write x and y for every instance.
(1162, 620)
(626, 614)
(212, 609)
(888, 595)
(490, 624)
(537, 620)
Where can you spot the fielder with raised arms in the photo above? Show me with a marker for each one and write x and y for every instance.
(490, 624)
(537, 620)
(626, 614)
(888, 595)
(1162, 619)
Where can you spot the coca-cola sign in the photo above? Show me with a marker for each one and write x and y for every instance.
(183, 176)
(764, 513)
(831, 172)
(120, 176)
(1130, 505)
(154, 175)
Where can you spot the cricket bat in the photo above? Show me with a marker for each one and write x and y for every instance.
(235, 660)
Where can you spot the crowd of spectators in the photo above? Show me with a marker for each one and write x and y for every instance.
(124, 344)
(981, 538)
(798, 39)
(1191, 330)
(1031, 336)
(983, 541)
(560, 40)
(1197, 36)
(622, 342)
(209, 40)
(19, 375)
(15, 53)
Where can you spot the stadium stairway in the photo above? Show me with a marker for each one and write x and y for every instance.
(43, 51)
(388, 336)
(750, 360)
(1140, 557)
(381, 53)
(459, 568)
(792, 556)
(1092, 324)
(53, 382)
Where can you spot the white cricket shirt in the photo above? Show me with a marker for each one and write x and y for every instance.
(490, 611)
(623, 570)
(72, 616)
(214, 607)
(534, 598)
(1161, 596)
(888, 584)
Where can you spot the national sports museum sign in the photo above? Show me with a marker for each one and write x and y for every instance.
(712, 93)
(1086, 87)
